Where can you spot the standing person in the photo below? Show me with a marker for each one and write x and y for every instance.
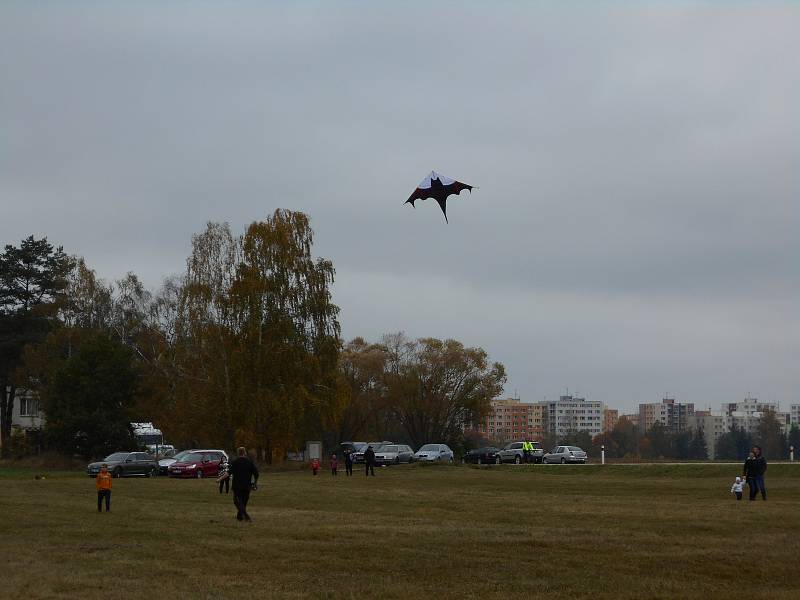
(245, 478)
(754, 468)
(103, 486)
(223, 477)
(736, 488)
(334, 465)
(369, 461)
(314, 466)
(526, 452)
(348, 462)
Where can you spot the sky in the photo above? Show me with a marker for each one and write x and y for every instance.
(635, 233)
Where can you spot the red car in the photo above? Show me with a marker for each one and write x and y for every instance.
(198, 464)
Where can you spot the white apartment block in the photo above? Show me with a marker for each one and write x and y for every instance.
(569, 414)
(747, 414)
(794, 414)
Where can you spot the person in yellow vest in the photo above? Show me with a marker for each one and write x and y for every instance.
(103, 485)
(526, 451)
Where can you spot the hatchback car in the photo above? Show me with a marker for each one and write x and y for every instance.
(565, 454)
(125, 464)
(513, 453)
(434, 452)
(200, 463)
(482, 456)
(394, 454)
(164, 463)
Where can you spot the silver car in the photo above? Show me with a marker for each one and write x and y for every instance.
(393, 454)
(565, 454)
(513, 452)
(434, 452)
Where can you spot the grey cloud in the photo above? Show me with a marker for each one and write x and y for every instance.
(626, 156)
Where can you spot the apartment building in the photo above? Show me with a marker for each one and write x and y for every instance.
(569, 414)
(747, 413)
(672, 415)
(610, 418)
(512, 419)
(711, 426)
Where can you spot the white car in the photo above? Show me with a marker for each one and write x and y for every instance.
(434, 452)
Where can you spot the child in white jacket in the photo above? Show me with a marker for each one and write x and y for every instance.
(736, 488)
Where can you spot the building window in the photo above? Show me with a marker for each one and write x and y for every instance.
(28, 406)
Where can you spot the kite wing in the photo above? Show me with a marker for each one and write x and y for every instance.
(438, 187)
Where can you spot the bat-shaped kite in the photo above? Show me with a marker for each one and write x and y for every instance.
(438, 187)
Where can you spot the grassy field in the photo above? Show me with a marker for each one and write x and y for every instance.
(411, 532)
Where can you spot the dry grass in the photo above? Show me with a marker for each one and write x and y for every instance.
(412, 532)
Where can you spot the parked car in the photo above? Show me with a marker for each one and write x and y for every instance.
(513, 453)
(483, 456)
(124, 464)
(358, 457)
(164, 463)
(565, 454)
(434, 452)
(200, 463)
(354, 447)
(394, 454)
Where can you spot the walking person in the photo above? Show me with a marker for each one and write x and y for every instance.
(736, 488)
(245, 478)
(369, 461)
(103, 486)
(348, 462)
(223, 477)
(754, 468)
(314, 466)
(334, 465)
(526, 451)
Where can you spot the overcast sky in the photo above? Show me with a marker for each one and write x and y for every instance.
(636, 231)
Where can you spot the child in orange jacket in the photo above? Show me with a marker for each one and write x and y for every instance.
(315, 465)
(103, 485)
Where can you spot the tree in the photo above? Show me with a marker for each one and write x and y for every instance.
(365, 410)
(793, 438)
(698, 450)
(33, 278)
(89, 400)
(769, 435)
(256, 339)
(580, 438)
(437, 388)
(625, 438)
(734, 444)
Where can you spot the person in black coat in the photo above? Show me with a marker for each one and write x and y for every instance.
(754, 468)
(348, 461)
(369, 461)
(245, 476)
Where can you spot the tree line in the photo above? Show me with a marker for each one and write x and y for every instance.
(625, 441)
(243, 348)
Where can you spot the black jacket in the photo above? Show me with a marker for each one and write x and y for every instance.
(754, 467)
(369, 456)
(242, 469)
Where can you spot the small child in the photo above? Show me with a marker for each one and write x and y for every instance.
(315, 466)
(103, 486)
(736, 488)
(334, 465)
(224, 477)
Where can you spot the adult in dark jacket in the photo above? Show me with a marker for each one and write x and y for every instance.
(369, 461)
(245, 476)
(348, 461)
(754, 468)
